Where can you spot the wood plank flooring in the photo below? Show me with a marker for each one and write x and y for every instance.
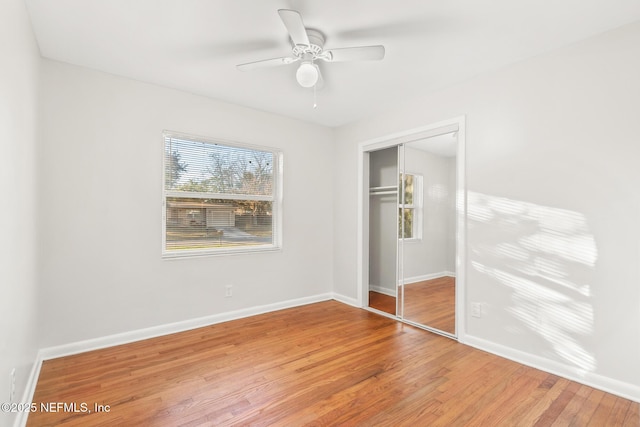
(432, 302)
(382, 302)
(324, 364)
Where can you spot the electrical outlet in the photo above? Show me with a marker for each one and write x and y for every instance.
(228, 291)
(12, 385)
(476, 309)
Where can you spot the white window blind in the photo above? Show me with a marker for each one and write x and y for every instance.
(219, 197)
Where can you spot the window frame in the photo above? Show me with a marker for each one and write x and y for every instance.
(276, 199)
(417, 206)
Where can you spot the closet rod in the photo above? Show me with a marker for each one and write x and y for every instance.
(382, 192)
(383, 188)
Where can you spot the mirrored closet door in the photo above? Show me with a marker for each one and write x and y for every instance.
(413, 231)
(427, 232)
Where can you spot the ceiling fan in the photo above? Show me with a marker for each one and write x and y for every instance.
(308, 48)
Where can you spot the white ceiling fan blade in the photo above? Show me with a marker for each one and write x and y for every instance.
(293, 21)
(363, 53)
(274, 62)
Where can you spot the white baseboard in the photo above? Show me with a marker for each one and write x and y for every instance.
(155, 331)
(382, 290)
(29, 390)
(610, 385)
(431, 276)
(619, 388)
(346, 300)
(171, 328)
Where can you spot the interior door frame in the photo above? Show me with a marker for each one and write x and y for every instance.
(456, 124)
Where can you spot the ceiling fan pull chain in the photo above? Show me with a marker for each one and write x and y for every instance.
(315, 100)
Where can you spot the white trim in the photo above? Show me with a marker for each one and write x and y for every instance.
(422, 132)
(362, 253)
(461, 230)
(399, 232)
(431, 276)
(171, 328)
(240, 250)
(609, 385)
(30, 389)
(277, 209)
(276, 200)
(156, 331)
(215, 141)
(346, 300)
(383, 290)
(417, 206)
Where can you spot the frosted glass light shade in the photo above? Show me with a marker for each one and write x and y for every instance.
(307, 74)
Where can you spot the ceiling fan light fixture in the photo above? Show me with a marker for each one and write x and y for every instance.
(307, 74)
(307, 47)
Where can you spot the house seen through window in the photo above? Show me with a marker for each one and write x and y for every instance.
(219, 197)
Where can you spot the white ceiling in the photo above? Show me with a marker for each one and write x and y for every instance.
(194, 45)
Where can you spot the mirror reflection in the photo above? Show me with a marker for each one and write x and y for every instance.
(427, 231)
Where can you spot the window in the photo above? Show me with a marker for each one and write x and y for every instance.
(219, 197)
(410, 218)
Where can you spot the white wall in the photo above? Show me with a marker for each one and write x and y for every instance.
(100, 181)
(553, 232)
(18, 248)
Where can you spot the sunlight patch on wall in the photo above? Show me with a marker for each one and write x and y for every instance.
(546, 257)
(579, 248)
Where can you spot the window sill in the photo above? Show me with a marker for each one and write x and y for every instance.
(412, 240)
(190, 254)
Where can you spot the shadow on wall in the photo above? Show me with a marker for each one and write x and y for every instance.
(546, 257)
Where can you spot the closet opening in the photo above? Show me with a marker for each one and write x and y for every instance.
(411, 227)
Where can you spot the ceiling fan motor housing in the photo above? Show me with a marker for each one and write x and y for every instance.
(314, 48)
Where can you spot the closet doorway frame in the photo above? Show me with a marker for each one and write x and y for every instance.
(456, 124)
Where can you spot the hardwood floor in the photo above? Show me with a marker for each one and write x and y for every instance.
(382, 302)
(432, 303)
(324, 364)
